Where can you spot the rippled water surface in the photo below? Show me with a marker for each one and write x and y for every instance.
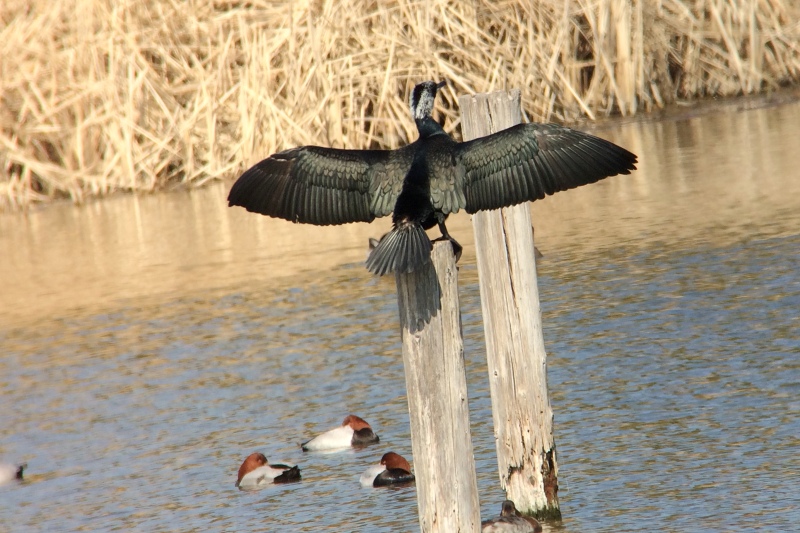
(148, 345)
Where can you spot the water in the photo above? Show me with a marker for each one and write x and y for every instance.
(149, 345)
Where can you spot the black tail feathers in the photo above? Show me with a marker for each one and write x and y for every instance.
(289, 475)
(404, 249)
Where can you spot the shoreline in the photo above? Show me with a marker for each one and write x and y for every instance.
(98, 98)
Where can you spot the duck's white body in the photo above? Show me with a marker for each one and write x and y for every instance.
(354, 431)
(369, 475)
(337, 438)
(263, 475)
(10, 472)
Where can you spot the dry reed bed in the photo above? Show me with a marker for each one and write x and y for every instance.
(100, 95)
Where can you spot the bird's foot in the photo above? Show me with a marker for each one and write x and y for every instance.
(457, 248)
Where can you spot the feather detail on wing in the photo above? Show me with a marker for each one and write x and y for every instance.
(323, 186)
(529, 161)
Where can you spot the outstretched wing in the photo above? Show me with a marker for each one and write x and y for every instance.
(529, 161)
(324, 186)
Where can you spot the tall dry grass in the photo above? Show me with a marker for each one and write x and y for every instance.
(105, 95)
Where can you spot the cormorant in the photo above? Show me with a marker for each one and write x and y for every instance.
(423, 182)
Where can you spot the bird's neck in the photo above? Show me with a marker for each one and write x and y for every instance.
(427, 127)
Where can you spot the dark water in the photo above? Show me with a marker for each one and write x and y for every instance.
(148, 345)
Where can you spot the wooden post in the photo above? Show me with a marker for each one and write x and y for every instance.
(436, 384)
(523, 418)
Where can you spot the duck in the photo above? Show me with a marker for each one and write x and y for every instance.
(422, 183)
(392, 470)
(11, 472)
(511, 521)
(354, 431)
(256, 472)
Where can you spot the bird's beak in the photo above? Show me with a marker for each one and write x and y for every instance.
(441, 84)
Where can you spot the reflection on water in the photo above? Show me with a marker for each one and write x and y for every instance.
(150, 344)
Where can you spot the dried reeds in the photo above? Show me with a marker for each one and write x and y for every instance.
(102, 95)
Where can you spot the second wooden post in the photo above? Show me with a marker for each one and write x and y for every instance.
(517, 362)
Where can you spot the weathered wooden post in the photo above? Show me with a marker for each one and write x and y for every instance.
(523, 418)
(436, 384)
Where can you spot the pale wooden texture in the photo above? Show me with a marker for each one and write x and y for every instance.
(517, 362)
(436, 381)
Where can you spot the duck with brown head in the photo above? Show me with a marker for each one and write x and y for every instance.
(354, 431)
(391, 471)
(256, 472)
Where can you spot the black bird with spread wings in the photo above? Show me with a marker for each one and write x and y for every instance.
(423, 182)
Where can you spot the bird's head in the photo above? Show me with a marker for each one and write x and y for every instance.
(509, 509)
(423, 97)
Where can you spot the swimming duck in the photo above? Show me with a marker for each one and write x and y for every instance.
(392, 470)
(256, 471)
(354, 431)
(511, 521)
(10, 472)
